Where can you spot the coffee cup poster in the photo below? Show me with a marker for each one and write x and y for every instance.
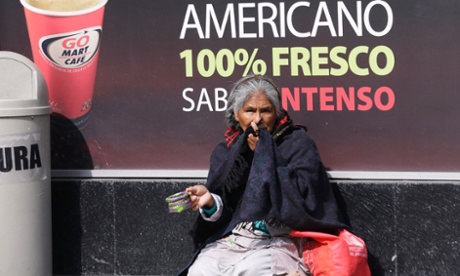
(376, 82)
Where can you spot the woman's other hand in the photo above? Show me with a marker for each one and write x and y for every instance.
(199, 197)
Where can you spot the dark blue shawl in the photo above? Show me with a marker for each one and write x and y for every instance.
(282, 181)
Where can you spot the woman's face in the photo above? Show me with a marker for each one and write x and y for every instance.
(257, 108)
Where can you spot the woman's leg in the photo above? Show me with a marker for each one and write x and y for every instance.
(277, 256)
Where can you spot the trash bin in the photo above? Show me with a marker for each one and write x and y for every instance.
(25, 173)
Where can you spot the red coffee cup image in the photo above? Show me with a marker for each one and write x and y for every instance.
(65, 47)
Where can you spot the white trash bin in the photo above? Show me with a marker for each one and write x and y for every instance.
(25, 173)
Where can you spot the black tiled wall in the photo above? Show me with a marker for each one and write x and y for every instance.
(122, 227)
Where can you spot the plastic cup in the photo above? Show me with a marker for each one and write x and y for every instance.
(179, 202)
(65, 47)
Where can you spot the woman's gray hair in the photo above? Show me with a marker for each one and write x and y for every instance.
(247, 87)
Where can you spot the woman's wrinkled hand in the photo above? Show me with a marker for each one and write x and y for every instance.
(253, 139)
(200, 196)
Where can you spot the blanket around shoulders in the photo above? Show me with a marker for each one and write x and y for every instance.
(282, 181)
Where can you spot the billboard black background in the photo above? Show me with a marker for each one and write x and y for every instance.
(138, 120)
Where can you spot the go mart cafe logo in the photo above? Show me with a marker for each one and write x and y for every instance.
(71, 50)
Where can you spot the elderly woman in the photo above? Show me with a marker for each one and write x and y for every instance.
(265, 180)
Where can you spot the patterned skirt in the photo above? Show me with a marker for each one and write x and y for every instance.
(240, 255)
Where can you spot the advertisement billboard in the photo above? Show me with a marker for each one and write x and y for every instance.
(375, 82)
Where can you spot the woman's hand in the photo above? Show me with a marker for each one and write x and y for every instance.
(253, 139)
(199, 197)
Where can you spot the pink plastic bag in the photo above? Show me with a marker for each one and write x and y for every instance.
(330, 255)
